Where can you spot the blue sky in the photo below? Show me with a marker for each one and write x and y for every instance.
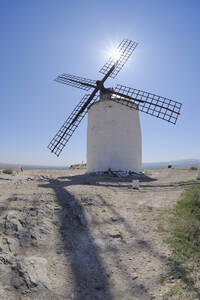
(42, 39)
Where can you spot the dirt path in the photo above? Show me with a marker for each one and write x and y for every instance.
(68, 235)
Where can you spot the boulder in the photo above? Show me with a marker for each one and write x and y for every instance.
(12, 223)
(33, 272)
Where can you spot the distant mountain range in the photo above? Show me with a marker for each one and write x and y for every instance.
(31, 167)
(183, 163)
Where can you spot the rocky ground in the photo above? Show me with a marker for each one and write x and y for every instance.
(69, 235)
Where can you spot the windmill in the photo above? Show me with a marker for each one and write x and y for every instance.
(133, 99)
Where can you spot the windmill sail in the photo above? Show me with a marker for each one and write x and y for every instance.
(67, 129)
(157, 106)
(76, 81)
(125, 49)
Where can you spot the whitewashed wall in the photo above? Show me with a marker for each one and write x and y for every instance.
(113, 138)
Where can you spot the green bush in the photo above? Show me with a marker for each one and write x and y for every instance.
(193, 168)
(7, 171)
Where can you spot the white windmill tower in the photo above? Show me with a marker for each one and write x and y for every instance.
(113, 137)
(114, 134)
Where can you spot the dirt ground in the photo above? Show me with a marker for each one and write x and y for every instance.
(69, 235)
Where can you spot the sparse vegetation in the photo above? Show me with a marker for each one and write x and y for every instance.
(182, 225)
(7, 171)
(185, 225)
(147, 173)
(188, 183)
(193, 169)
(150, 208)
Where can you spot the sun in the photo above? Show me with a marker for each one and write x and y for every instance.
(114, 54)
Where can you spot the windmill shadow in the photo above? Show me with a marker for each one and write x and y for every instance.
(91, 278)
(89, 274)
(105, 180)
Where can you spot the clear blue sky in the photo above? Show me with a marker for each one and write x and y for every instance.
(42, 38)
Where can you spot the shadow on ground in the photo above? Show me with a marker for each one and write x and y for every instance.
(104, 180)
(91, 278)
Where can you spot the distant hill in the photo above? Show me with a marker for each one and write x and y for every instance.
(183, 163)
(31, 167)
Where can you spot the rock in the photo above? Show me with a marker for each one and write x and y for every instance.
(33, 211)
(135, 184)
(4, 260)
(12, 243)
(4, 295)
(35, 236)
(24, 238)
(29, 179)
(12, 223)
(116, 219)
(33, 271)
(116, 236)
(12, 199)
(45, 226)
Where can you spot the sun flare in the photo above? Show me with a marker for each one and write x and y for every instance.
(114, 54)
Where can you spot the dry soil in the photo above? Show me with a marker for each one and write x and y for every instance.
(69, 235)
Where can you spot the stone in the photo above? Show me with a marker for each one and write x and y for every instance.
(4, 260)
(45, 226)
(4, 295)
(33, 271)
(116, 219)
(24, 238)
(116, 236)
(12, 223)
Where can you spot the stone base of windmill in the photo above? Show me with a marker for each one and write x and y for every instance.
(113, 138)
